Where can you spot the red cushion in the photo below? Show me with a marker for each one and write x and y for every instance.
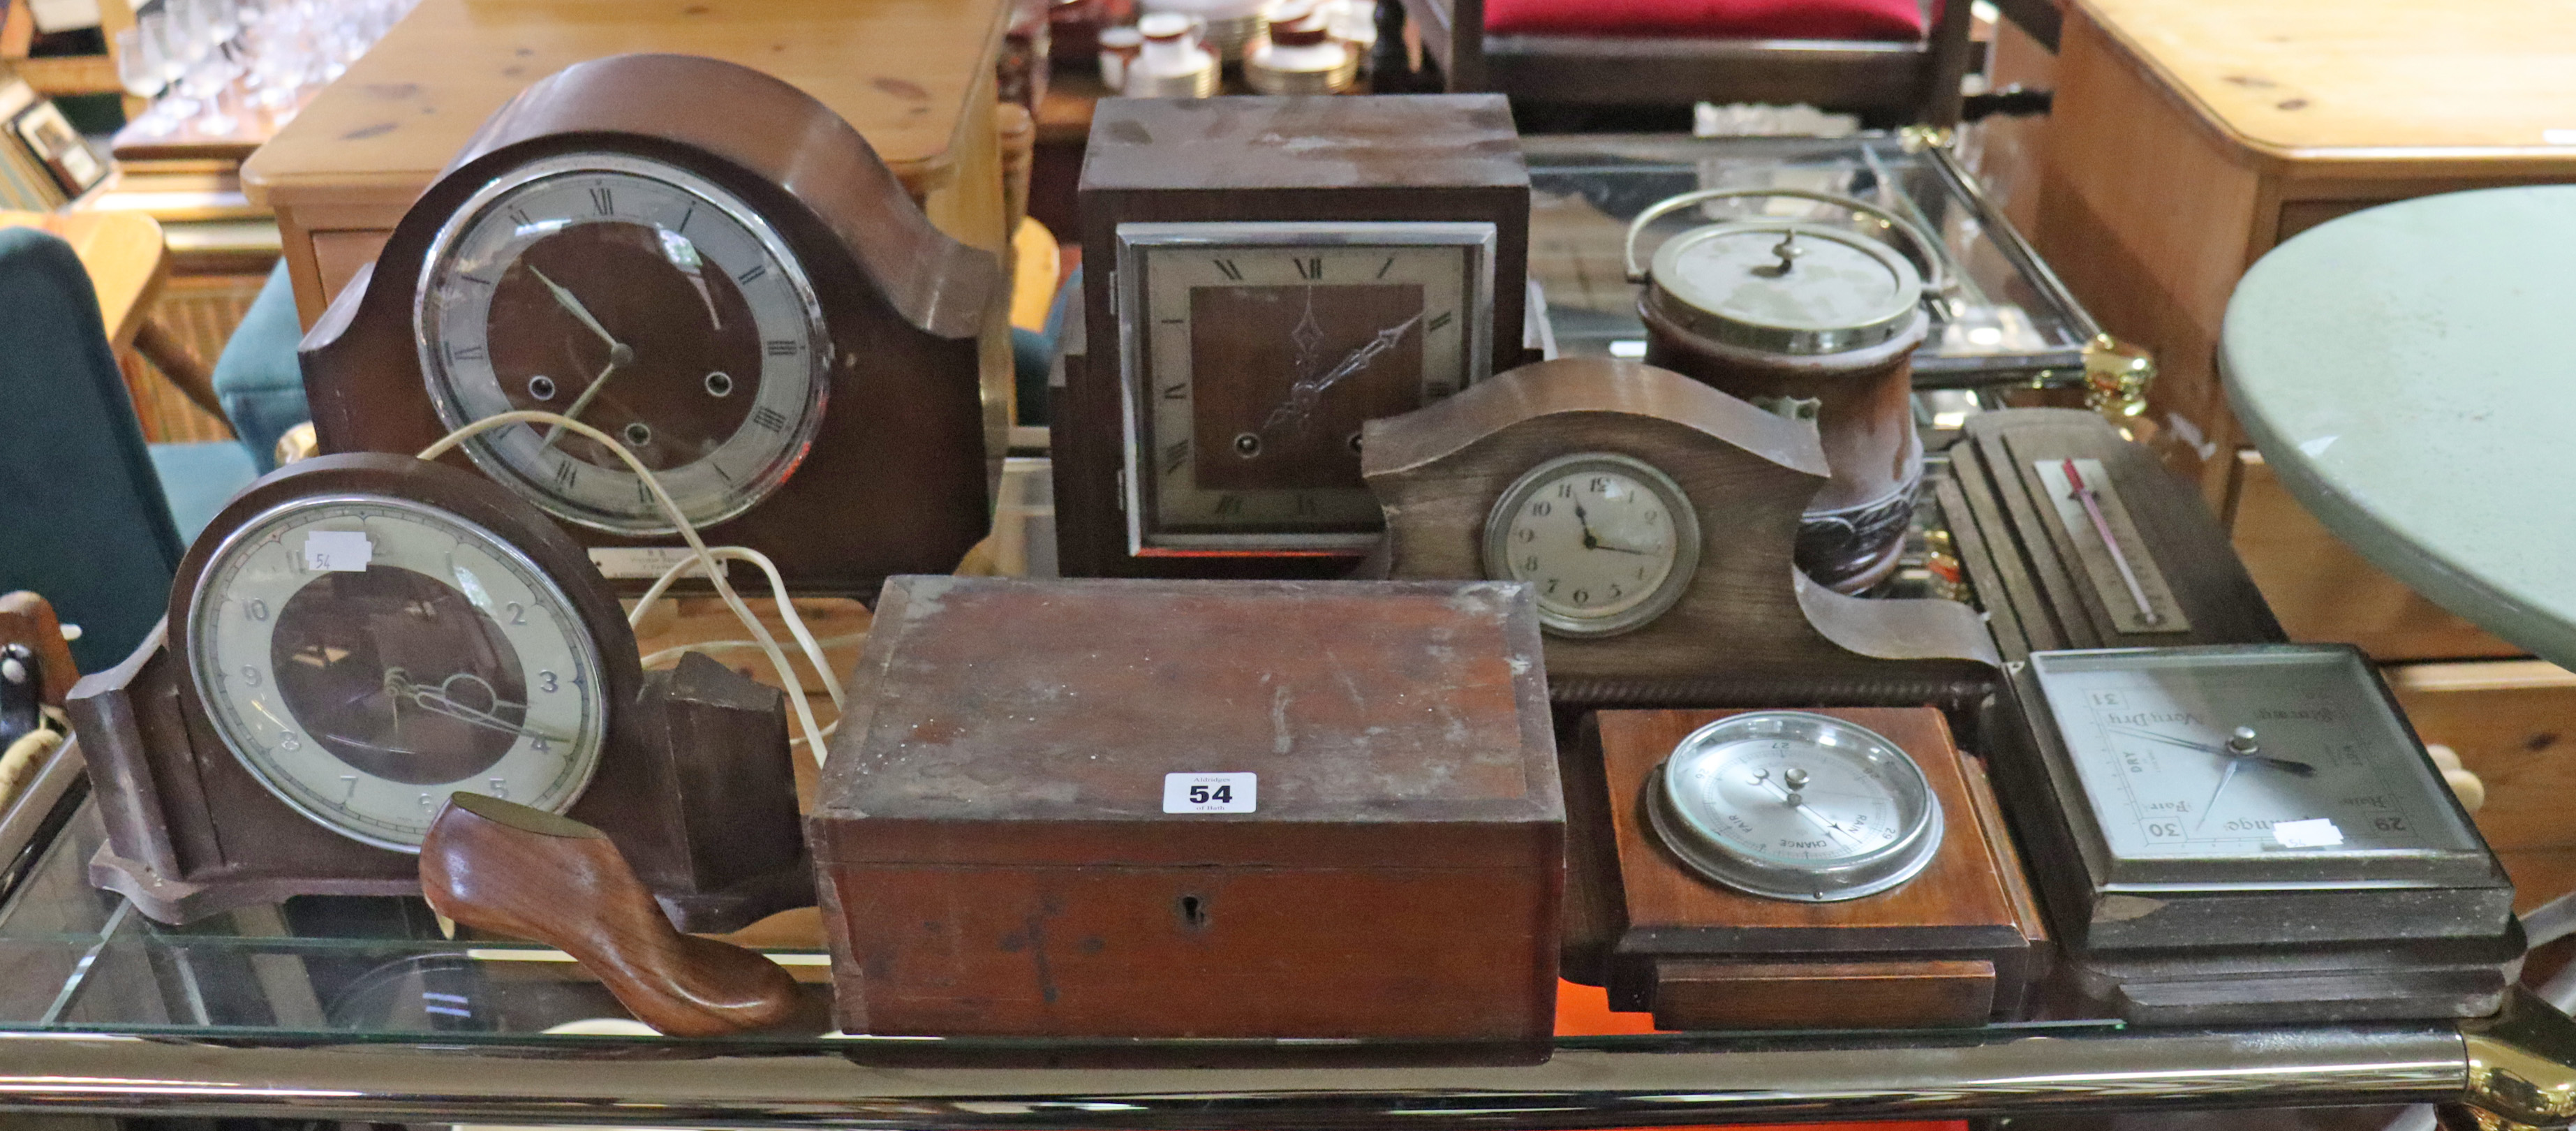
(1710, 19)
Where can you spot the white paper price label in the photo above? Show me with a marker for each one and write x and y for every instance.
(2315, 832)
(630, 563)
(1210, 793)
(338, 551)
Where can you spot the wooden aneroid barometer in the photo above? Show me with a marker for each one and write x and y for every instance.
(354, 638)
(708, 265)
(1838, 867)
(1655, 520)
(1267, 274)
(2252, 832)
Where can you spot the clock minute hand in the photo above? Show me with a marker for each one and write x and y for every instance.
(565, 299)
(1303, 395)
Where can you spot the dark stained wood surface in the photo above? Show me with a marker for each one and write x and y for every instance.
(2030, 556)
(996, 856)
(527, 873)
(895, 480)
(1748, 615)
(1692, 994)
(1425, 158)
(1959, 909)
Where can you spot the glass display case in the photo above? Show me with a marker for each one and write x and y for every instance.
(2001, 318)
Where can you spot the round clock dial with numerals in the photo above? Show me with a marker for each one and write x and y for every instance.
(640, 299)
(364, 655)
(1606, 542)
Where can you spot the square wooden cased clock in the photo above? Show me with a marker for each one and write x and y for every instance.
(1269, 274)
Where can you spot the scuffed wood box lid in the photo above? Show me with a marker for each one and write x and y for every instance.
(1365, 709)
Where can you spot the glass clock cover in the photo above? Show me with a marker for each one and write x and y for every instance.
(1255, 351)
(642, 300)
(365, 656)
(2252, 762)
(1606, 542)
(1792, 805)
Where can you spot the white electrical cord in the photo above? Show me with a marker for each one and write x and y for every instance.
(701, 556)
(777, 585)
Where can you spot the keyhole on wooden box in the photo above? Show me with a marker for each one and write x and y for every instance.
(1193, 912)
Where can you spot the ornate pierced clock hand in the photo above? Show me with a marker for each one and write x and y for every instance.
(2286, 765)
(441, 701)
(1303, 395)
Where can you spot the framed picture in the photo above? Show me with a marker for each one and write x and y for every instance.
(59, 147)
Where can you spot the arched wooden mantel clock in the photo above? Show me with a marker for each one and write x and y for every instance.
(1654, 518)
(709, 265)
(354, 638)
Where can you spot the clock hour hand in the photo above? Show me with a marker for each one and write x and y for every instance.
(583, 401)
(2287, 765)
(1303, 395)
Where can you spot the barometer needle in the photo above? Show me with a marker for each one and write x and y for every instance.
(2212, 805)
(2287, 765)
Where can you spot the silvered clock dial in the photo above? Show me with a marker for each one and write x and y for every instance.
(366, 655)
(638, 298)
(1253, 352)
(1606, 542)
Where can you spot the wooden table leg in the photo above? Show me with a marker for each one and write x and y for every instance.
(177, 362)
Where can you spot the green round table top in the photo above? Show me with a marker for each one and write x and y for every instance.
(2408, 373)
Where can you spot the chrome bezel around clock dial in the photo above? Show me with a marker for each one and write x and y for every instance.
(1513, 535)
(1172, 510)
(542, 747)
(785, 399)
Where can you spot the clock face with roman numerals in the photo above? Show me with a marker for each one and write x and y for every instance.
(1256, 351)
(639, 299)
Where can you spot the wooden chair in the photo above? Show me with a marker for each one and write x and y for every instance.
(1887, 83)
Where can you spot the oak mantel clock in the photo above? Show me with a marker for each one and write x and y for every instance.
(1270, 274)
(706, 264)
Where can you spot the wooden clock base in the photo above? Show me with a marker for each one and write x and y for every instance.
(695, 788)
(1956, 945)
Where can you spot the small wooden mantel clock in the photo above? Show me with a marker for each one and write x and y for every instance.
(1654, 519)
(354, 638)
(708, 265)
(1266, 274)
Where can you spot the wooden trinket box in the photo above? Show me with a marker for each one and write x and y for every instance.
(1955, 944)
(1196, 809)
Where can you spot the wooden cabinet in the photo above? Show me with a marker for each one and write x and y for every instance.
(915, 79)
(2191, 136)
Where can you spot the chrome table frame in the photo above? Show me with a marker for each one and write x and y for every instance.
(2500, 1073)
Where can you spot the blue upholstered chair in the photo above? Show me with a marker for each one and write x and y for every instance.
(85, 518)
(257, 378)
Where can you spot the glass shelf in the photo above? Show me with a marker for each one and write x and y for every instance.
(363, 1009)
(2003, 320)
